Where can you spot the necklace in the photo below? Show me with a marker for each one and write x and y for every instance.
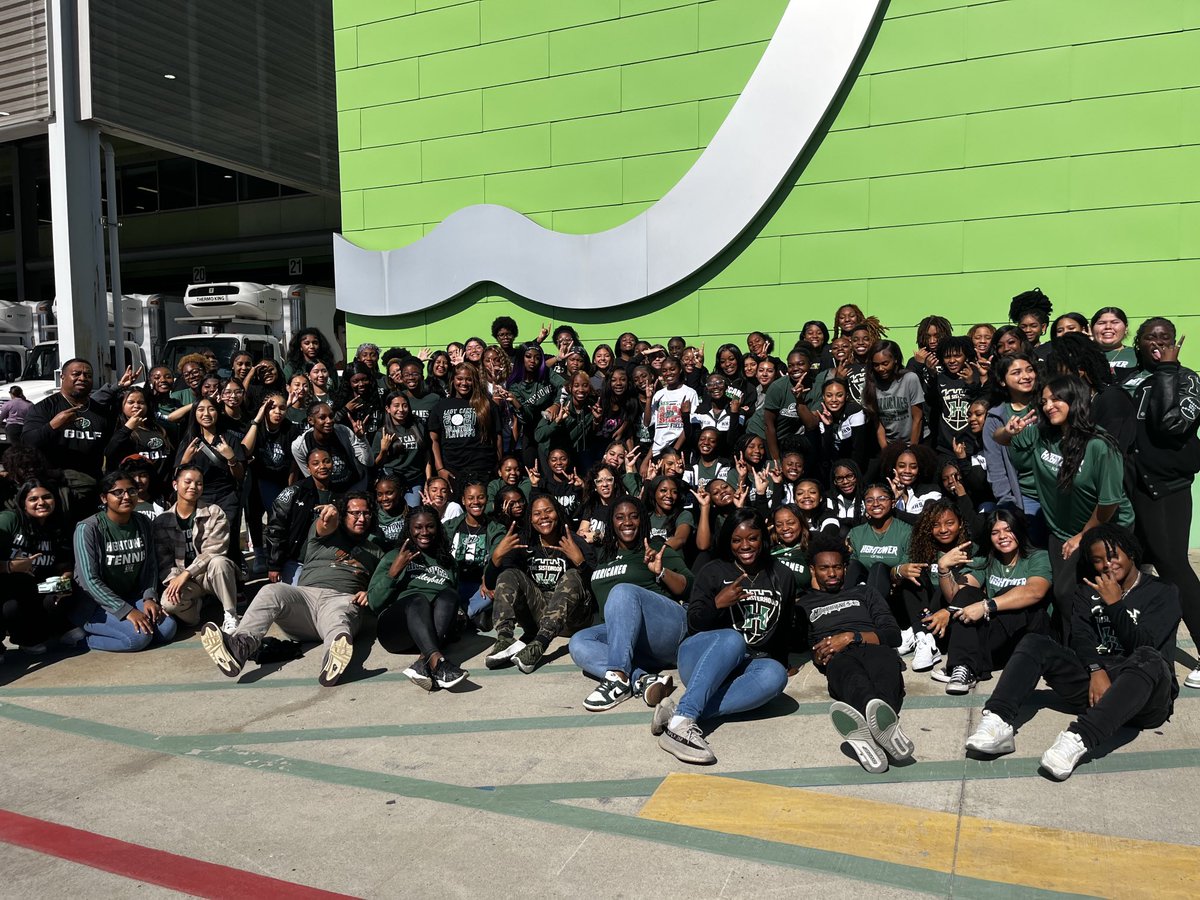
(1136, 582)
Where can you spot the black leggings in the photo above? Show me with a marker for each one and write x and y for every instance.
(865, 672)
(414, 619)
(1141, 694)
(987, 644)
(1162, 527)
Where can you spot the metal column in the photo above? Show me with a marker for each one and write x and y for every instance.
(75, 203)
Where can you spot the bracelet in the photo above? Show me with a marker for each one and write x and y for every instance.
(992, 606)
(659, 577)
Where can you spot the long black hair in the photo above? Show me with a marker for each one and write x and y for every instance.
(724, 549)
(295, 356)
(55, 524)
(1016, 523)
(1000, 367)
(1078, 431)
(1077, 354)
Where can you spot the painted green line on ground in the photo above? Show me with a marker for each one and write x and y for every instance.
(497, 801)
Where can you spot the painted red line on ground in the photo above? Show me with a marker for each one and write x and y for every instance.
(169, 870)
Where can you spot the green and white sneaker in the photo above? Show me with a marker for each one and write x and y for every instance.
(653, 688)
(854, 730)
(502, 652)
(530, 657)
(608, 693)
(884, 723)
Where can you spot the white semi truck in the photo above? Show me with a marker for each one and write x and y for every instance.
(16, 338)
(148, 320)
(260, 319)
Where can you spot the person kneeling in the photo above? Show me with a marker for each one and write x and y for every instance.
(1118, 669)
(117, 575)
(852, 631)
(191, 542)
(740, 623)
(326, 605)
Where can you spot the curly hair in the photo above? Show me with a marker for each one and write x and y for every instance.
(1033, 303)
(1077, 354)
(926, 460)
(940, 323)
(922, 548)
(871, 323)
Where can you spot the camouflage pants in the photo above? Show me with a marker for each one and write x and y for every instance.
(545, 613)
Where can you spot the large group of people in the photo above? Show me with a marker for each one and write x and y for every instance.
(1009, 503)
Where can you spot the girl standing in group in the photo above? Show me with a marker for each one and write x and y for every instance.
(1078, 474)
(399, 447)
(464, 431)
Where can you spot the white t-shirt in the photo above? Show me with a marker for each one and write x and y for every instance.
(666, 414)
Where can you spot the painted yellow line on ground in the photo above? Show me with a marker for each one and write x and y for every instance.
(1073, 862)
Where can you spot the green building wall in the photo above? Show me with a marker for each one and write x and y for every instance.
(984, 148)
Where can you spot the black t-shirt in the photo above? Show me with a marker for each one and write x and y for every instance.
(80, 445)
(764, 617)
(954, 397)
(856, 608)
(218, 479)
(547, 565)
(464, 446)
(273, 452)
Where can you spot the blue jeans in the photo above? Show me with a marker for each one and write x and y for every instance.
(471, 598)
(106, 632)
(642, 631)
(722, 678)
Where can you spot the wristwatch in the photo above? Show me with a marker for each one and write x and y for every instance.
(857, 639)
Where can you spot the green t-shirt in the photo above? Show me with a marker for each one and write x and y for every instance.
(889, 548)
(1024, 476)
(996, 579)
(796, 559)
(498, 484)
(1099, 481)
(535, 398)
(423, 575)
(659, 530)
(338, 563)
(780, 400)
(124, 556)
(1121, 358)
(629, 567)
(389, 528)
(471, 546)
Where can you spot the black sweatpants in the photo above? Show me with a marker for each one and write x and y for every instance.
(1062, 589)
(987, 644)
(29, 617)
(865, 672)
(1162, 528)
(1141, 695)
(414, 619)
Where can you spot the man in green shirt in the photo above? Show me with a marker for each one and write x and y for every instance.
(325, 605)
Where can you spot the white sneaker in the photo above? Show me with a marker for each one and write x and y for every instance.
(926, 655)
(908, 642)
(940, 675)
(994, 736)
(231, 623)
(1064, 755)
(1193, 679)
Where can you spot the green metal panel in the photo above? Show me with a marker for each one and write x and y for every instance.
(985, 147)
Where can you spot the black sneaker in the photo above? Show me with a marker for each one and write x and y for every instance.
(529, 658)
(608, 693)
(447, 674)
(653, 688)
(337, 658)
(418, 673)
(503, 651)
(962, 681)
(228, 651)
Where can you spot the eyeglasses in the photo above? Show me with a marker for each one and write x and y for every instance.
(122, 493)
(358, 513)
(843, 478)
